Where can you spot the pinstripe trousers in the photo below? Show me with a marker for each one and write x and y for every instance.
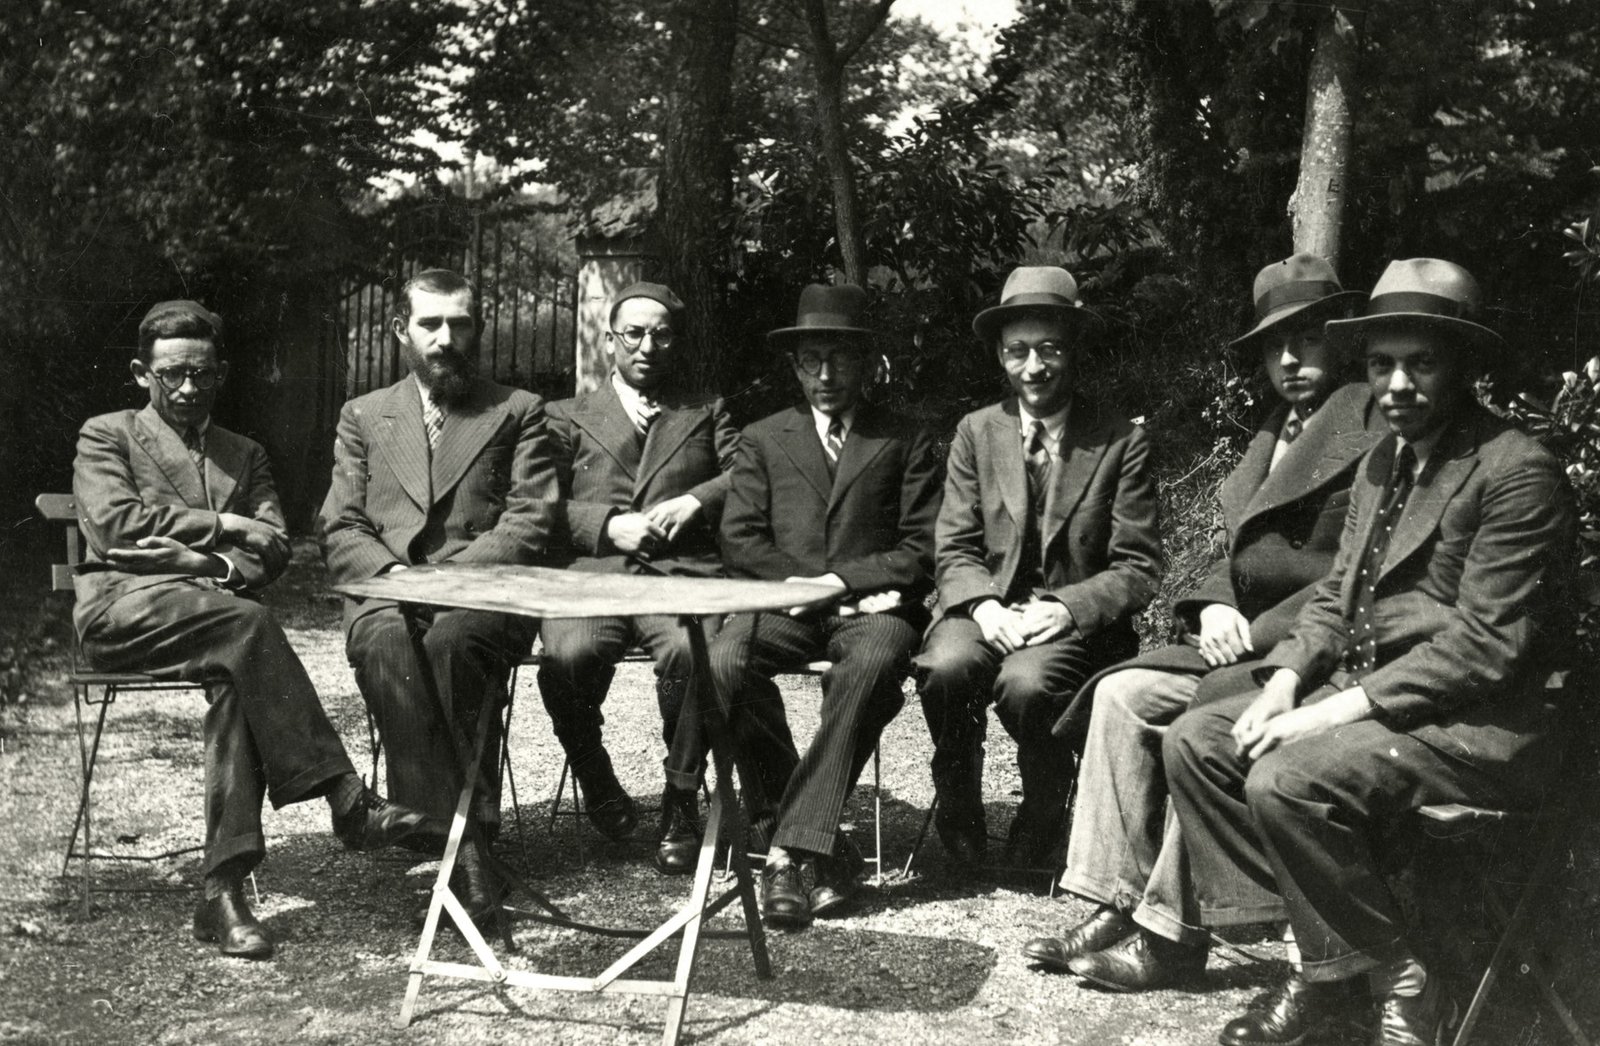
(861, 694)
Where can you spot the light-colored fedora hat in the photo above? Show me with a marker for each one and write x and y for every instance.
(825, 309)
(1302, 288)
(1031, 288)
(1423, 292)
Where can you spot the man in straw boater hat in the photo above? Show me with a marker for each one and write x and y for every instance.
(841, 492)
(1413, 676)
(1047, 545)
(184, 529)
(643, 469)
(1283, 508)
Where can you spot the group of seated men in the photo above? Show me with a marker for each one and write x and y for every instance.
(1395, 558)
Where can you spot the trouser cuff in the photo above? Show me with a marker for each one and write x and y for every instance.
(311, 783)
(1165, 924)
(1350, 964)
(245, 851)
(806, 839)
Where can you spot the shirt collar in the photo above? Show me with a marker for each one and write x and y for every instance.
(630, 396)
(1054, 424)
(822, 421)
(203, 428)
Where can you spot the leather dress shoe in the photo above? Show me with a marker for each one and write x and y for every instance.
(374, 823)
(227, 921)
(1098, 932)
(837, 878)
(473, 886)
(783, 898)
(680, 831)
(1139, 962)
(609, 807)
(1415, 1020)
(1283, 1016)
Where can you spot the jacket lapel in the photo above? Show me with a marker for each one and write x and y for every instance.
(225, 463)
(1245, 482)
(804, 449)
(166, 447)
(1325, 450)
(865, 442)
(667, 433)
(600, 414)
(467, 428)
(405, 441)
(1081, 451)
(1456, 456)
(1005, 459)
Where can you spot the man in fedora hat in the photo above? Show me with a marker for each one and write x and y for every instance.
(184, 529)
(1046, 547)
(643, 470)
(841, 492)
(1283, 508)
(1413, 676)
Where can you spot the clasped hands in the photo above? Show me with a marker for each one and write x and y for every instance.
(1273, 719)
(1011, 628)
(643, 534)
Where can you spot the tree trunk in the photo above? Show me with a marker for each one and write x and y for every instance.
(696, 189)
(1318, 202)
(836, 153)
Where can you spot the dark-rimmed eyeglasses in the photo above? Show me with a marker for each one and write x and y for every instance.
(172, 378)
(810, 360)
(633, 337)
(1049, 351)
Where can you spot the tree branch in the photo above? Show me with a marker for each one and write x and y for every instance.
(766, 35)
(863, 32)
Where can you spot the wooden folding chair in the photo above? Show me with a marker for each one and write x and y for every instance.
(63, 509)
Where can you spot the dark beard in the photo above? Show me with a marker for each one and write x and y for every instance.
(449, 379)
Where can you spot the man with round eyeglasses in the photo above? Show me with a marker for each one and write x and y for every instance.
(1046, 547)
(642, 465)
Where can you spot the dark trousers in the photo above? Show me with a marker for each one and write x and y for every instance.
(1299, 833)
(471, 653)
(575, 672)
(861, 694)
(265, 731)
(958, 675)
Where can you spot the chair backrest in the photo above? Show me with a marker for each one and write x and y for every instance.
(63, 508)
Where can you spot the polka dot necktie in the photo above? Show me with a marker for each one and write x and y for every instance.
(1362, 657)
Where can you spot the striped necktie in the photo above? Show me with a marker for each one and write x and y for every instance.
(645, 412)
(833, 446)
(433, 421)
(1037, 456)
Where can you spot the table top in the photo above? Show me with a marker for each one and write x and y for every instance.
(548, 593)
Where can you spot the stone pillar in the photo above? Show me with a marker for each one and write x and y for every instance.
(605, 265)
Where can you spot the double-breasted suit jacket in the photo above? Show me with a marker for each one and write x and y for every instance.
(1282, 528)
(872, 525)
(265, 730)
(605, 467)
(486, 494)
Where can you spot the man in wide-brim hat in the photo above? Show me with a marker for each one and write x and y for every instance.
(838, 491)
(1283, 508)
(1413, 676)
(1047, 546)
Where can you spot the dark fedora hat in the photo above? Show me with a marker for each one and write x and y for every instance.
(825, 309)
(656, 292)
(1031, 289)
(1423, 292)
(1302, 288)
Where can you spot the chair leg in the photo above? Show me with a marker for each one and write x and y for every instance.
(922, 834)
(375, 746)
(877, 811)
(85, 806)
(507, 773)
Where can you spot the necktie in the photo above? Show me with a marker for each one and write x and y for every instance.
(1362, 656)
(645, 413)
(1293, 427)
(1038, 459)
(196, 448)
(833, 446)
(433, 421)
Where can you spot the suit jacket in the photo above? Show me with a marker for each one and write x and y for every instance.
(1101, 545)
(1283, 527)
(133, 478)
(1469, 597)
(488, 494)
(872, 525)
(602, 470)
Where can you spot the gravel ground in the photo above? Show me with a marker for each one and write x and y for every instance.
(929, 958)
